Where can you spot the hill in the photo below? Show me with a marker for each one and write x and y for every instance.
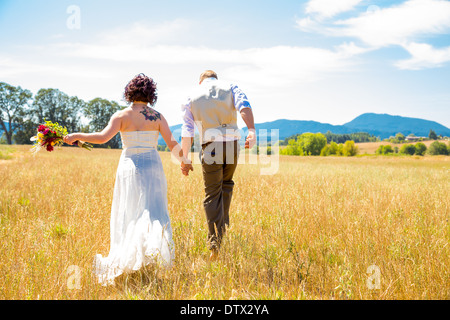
(380, 125)
(385, 125)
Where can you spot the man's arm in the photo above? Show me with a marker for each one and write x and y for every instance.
(247, 116)
(186, 144)
(242, 105)
(187, 135)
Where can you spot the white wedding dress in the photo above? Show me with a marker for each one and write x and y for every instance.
(140, 225)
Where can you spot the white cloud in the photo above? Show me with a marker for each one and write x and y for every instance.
(399, 24)
(329, 8)
(282, 64)
(424, 56)
(144, 34)
(407, 25)
(351, 49)
(309, 24)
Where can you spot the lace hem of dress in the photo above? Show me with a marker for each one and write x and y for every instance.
(106, 270)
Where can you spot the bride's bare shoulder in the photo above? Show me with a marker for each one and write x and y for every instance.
(122, 113)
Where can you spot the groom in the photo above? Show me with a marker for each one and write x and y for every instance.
(213, 108)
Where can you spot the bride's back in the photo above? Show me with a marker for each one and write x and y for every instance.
(140, 118)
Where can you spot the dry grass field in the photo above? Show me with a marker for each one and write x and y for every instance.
(371, 147)
(320, 228)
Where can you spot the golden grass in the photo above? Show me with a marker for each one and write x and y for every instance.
(5, 152)
(309, 232)
(371, 147)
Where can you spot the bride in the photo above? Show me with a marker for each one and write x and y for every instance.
(140, 227)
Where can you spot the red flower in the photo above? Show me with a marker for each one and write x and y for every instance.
(49, 148)
(42, 128)
(45, 131)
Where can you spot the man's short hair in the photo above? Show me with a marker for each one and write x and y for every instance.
(208, 74)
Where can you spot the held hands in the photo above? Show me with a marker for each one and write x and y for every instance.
(186, 166)
(251, 139)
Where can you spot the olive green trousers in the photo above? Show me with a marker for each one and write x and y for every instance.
(219, 162)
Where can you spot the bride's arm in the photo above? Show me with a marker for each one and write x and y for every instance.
(102, 137)
(172, 144)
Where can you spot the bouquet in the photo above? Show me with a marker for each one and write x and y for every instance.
(50, 135)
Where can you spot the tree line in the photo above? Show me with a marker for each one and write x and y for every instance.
(339, 137)
(315, 144)
(419, 149)
(21, 112)
(400, 137)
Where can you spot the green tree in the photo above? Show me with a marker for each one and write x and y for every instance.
(334, 148)
(12, 103)
(292, 149)
(388, 149)
(312, 143)
(383, 150)
(25, 130)
(408, 149)
(380, 150)
(340, 149)
(350, 148)
(329, 150)
(56, 106)
(99, 111)
(400, 137)
(437, 148)
(421, 148)
(432, 135)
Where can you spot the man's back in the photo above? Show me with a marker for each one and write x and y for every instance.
(212, 106)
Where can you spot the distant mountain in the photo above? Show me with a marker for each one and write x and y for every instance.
(385, 125)
(380, 125)
(288, 128)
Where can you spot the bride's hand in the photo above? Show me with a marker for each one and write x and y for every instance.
(70, 139)
(186, 166)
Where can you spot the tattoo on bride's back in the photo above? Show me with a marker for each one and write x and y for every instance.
(150, 114)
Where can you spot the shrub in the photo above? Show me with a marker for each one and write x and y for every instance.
(312, 143)
(384, 149)
(350, 149)
(408, 149)
(437, 148)
(329, 150)
(400, 137)
(292, 149)
(421, 148)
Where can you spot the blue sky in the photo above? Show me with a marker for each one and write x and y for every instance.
(322, 60)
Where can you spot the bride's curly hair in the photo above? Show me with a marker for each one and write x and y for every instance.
(141, 88)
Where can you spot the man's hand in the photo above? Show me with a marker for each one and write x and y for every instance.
(251, 139)
(186, 166)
